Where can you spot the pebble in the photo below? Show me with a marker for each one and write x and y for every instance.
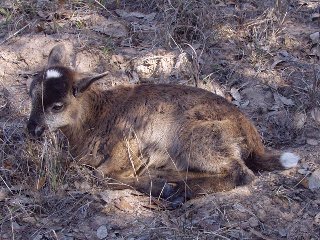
(314, 180)
(253, 222)
(102, 232)
(283, 232)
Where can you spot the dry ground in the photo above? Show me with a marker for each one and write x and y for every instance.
(262, 55)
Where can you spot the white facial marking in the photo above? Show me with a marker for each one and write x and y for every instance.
(52, 73)
(289, 160)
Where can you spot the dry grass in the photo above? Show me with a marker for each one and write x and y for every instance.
(230, 44)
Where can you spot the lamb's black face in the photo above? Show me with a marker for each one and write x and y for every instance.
(56, 94)
(51, 95)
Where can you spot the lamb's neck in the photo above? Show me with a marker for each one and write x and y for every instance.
(90, 115)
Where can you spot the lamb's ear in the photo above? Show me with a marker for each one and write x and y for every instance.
(57, 56)
(81, 85)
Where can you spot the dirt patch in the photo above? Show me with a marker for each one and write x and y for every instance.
(260, 55)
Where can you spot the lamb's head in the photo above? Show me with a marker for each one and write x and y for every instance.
(56, 94)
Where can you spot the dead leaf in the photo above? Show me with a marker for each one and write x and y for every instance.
(31, 220)
(303, 171)
(124, 205)
(304, 182)
(315, 37)
(299, 120)
(315, 114)
(282, 56)
(235, 94)
(3, 193)
(312, 142)
(85, 186)
(314, 180)
(45, 16)
(315, 51)
(239, 207)
(286, 101)
(276, 61)
(134, 77)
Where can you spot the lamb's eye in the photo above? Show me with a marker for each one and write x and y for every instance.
(57, 107)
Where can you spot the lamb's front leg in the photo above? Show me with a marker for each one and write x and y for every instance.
(121, 161)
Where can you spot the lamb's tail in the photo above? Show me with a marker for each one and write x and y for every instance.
(270, 161)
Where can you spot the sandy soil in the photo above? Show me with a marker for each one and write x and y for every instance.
(262, 56)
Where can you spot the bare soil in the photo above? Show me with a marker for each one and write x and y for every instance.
(261, 55)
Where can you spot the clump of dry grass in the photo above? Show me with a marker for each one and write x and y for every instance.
(32, 163)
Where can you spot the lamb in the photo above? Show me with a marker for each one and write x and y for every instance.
(171, 141)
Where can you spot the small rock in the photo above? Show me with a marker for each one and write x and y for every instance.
(282, 232)
(102, 232)
(314, 180)
(253, 222)
(315, 37)
(312, 142)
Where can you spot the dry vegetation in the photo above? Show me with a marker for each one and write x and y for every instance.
(262, 55)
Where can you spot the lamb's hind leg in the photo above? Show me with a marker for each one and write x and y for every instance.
(180, 186)
(212, 159)
(189, 184)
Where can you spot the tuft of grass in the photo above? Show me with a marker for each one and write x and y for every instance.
(38, 165)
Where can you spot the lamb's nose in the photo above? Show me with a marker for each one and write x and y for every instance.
(39, 130)
(34, 128)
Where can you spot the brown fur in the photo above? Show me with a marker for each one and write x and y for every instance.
(163, 139)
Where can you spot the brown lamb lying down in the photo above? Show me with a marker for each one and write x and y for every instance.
(171, 141)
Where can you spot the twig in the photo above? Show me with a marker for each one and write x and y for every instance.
(6, 184)
(104, 8)
(11, 219)
(17, 32)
